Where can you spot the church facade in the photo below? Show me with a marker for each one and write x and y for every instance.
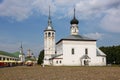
(73, 50)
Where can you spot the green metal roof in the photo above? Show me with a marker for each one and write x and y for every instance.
(29, 58)
(7, 54)
(16, 54)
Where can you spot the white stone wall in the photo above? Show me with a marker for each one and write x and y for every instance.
(70, 59)
(100, 61)
(58, 62)
(49, 42)
(22, 57)
(49, 46)
(79, 47)
(8, 57)
(74, 29)
(59, 48)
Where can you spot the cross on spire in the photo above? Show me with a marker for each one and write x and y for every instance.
(21, 49)
(49, 19)
(49, 27)
(74, 12)
(21, 45)
(74, 20)
(49, 12)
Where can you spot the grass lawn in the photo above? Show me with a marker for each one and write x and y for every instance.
(59, 73)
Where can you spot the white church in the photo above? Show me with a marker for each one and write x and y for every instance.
(73, 50)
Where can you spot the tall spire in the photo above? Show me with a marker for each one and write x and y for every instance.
(74, 20)
(21, 49)
(49, 13)
(49, 27)
(49, 19)
(21, 45)
(74, 12)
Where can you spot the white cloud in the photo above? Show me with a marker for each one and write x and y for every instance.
(111, 22)
(108, 11)
(94, 35)
(16, 9)
(42, 6)
(22, 9)
(65, 3)
(90, 9)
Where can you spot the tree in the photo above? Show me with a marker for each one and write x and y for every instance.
(113, 54)
(41, 57)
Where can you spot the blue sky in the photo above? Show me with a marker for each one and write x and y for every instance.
(25, 20)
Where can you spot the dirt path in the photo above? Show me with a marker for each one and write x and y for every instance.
(59, 73)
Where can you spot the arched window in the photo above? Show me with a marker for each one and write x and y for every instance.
(86, 51)
(46, 34)
(73, 52)
(3, 58)
(75, 30)
(60, 62)
(49, 34)
(52, 34)
(8, 59)
(102, 59)
(56, 62)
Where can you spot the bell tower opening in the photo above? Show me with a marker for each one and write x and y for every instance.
(74, 25)
(49, 41)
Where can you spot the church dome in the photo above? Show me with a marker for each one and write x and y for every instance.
(74, 21)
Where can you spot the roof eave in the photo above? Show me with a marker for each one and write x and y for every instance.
(49, 30)
(74, 40)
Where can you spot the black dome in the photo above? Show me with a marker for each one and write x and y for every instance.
(74, 21)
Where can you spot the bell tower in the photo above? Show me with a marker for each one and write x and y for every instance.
(74, 25)
(49, 41)
(21, 55)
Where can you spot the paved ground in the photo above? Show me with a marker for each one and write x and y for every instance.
(59, 73)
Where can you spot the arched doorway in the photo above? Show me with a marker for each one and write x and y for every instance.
(86, 62)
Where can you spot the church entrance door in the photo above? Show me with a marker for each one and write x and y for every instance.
(86, 62)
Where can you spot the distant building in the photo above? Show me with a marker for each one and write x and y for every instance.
(30, 56)
(19, 56)
(73, 50)
(8, 57)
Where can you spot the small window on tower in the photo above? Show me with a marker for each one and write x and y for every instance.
(46, 34)
(52, 34)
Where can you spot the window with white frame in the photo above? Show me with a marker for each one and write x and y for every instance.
(73, 51)
(60, 62)
(56, 62)
(102, 59)
(86, 51)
